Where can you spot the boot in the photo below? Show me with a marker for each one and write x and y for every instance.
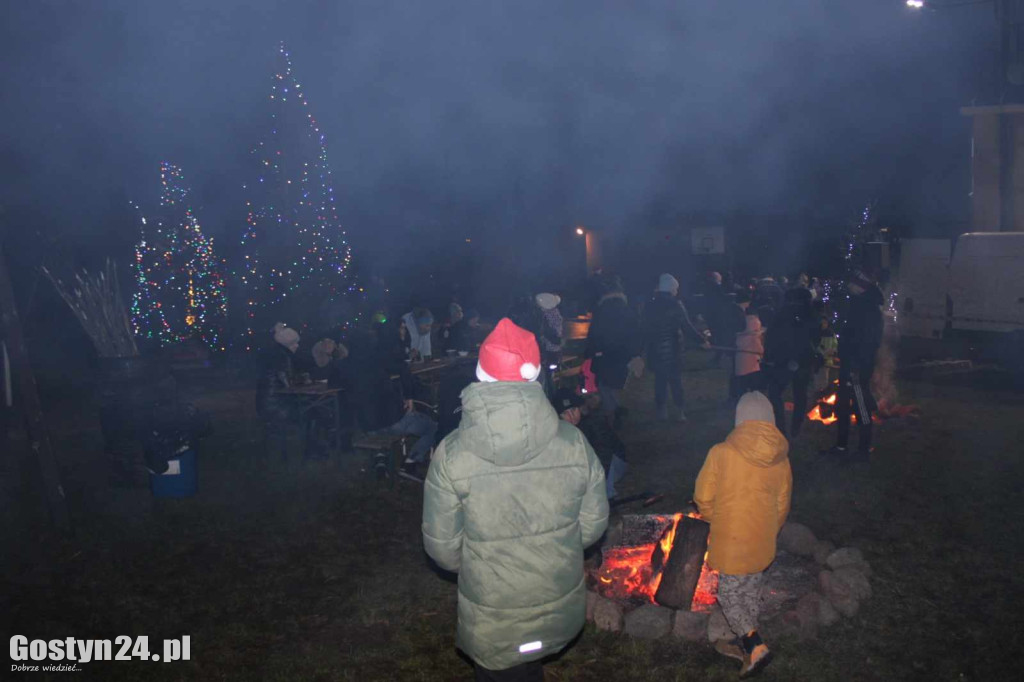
(756, 655)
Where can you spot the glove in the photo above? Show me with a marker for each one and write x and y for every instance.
(636, 367)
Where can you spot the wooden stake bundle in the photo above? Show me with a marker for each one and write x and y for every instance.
(96, 302)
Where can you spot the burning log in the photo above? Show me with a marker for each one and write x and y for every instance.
(682, 569)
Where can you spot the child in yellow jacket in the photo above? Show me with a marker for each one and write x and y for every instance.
(743, 491)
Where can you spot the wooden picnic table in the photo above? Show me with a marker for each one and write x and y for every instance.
(313, 396)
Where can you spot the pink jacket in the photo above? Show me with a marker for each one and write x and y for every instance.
(749, 340)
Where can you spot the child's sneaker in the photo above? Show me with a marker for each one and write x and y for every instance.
(756, 655)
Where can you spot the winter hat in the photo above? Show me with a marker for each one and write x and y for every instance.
(754, 407)
(668, 283)
(322, 352)
(716, 277)
(286, 336)
(548, 301)
(423, 317)
(509, 353)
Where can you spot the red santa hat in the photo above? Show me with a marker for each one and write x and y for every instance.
(509, 353)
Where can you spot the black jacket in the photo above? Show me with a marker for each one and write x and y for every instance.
(666, 322)
(614, 339)
(449, 398)
(861, 332)
(373, 396)
(462, 337)
(725, 319)
(792, 338)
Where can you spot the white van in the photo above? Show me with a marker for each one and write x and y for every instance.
(975, 286)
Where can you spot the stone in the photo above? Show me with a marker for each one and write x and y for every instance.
(838, 592)
(827, 614)
(650, 621)
(797, 538)
(718, 627)
(822, 550)
(856, 581)
(813, 611)
(592, 598)
(607, 615)
(843, 557)
(690, 625)
(787, 580)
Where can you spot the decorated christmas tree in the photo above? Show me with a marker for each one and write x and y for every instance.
(179, 290)
(295, 257)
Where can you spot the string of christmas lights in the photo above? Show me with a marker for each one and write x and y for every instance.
(295, 255)
(179, 284)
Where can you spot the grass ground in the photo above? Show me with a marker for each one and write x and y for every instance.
(290, 571)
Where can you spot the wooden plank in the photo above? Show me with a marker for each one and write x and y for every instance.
(685, 560)
(38, 435)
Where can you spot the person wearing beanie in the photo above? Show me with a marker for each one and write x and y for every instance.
(512, 498)
(550, 337)
(615, 344)
(743, 491)
(286, 336)
(666, 324)
(418, 325)
(860, 337)
(277, 374)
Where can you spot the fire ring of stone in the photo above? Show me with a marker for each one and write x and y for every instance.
(650, 580)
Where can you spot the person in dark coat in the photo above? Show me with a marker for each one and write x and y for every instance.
(769, 298)
(724, 320)
(276, 375)
(790, 347)
(464, 333)
(381, 404)
(860, 337)
(666, 324)
(583, 412)
(614, 343)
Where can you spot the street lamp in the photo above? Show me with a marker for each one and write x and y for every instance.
(580, 231)
(915, 4)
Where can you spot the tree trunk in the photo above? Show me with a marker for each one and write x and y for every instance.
(685, 560)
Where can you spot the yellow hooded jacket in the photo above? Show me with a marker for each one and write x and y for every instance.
(743, 491)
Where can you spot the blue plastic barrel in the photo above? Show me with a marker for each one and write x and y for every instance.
(181, 478)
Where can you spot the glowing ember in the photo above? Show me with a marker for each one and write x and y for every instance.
(634, 573)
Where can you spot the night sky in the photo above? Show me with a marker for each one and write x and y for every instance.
(501, 120)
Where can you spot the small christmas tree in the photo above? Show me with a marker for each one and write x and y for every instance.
(295, 256)
(179, 284)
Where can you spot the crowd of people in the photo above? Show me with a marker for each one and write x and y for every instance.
(520, 468)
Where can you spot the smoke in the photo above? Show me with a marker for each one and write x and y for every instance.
(449, 120)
